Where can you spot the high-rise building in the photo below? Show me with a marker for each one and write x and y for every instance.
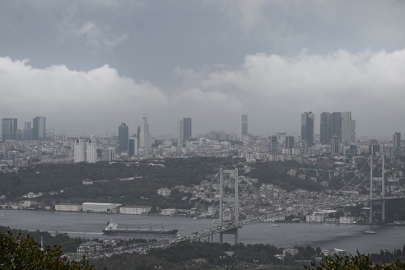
(122, 138)
(307, 128)
(336, 125)
(132, 146)
(9, 129)
(289, 142)
(273, 143)
(138, 136)
(144, 136)
(187, 129)
(335, 145)
(27, 131)
(39, 128)
(348, 127)
(92, 149)
(325, 129)
(180, 133)
(396, 140)
(78, 151)
(111, 154)
(243, 126)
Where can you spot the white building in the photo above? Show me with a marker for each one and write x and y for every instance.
(169, 211)
(89, 248)
(315, 218)
(68, 207)
(78, 149)
(135, 210)
(92, 149)
(101, 207)
(144, 140)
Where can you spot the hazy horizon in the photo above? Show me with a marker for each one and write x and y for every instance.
(91, 65)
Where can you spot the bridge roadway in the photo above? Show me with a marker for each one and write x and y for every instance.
(143, 248)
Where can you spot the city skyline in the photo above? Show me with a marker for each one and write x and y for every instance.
(205, 60)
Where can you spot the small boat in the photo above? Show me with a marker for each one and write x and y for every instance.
(275, 225)
(369, 232)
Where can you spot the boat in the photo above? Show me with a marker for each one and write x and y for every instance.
(112, 228)
(275, 225)
(369, 232)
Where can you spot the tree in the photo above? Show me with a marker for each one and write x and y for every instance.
(25, 253)
(360, 261)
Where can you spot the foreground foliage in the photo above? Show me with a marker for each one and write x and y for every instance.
(351, 262)
(25, 253)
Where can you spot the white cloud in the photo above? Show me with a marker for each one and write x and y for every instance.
(95, 36)
(369, 84)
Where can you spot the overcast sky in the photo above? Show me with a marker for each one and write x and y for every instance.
(90, 65)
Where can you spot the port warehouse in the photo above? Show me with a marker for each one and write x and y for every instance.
(104, 208)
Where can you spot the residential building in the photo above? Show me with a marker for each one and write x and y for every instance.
(9, 129)
(92, 150)
(78, 151)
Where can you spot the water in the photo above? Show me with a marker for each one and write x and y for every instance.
(326, 236)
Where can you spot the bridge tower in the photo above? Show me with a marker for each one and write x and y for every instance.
(382, 179)
(235, 200)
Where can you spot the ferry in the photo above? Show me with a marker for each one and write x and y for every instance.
(369, 232)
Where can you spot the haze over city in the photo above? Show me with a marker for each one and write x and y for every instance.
(90, 65)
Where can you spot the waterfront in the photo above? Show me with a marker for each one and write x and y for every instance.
(326, 236)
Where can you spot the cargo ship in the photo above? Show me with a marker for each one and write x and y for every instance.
(112, 228)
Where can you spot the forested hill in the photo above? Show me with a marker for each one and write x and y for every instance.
(142, 190)
(276, 173)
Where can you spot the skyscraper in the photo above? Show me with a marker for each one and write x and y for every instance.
(132, 146)
(144, 136)
(307, 128)
(336, 125)
(138, 136)
(92, 149)
(39, 128)
(335, 145)
(243, 125)
(396, 140)
(186, 129)
(122, 138)
(348, 127)
(180, 133)
(111, 154)
(9, 129)
(325, 128)
(289, 142)
(27, 131)
(78, 151)
(273, 143)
